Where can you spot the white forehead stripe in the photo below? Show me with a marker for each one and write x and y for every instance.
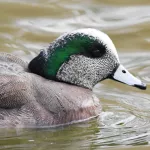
(101, 36)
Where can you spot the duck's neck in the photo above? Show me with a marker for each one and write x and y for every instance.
(37, 64)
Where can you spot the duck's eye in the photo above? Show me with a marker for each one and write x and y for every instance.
(99, 49)
(97, 53)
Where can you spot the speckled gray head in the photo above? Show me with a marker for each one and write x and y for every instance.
(82, 57)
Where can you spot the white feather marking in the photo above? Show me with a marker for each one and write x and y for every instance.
(101, 36)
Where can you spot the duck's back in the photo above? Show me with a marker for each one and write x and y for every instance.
(11, 80)
(11, 65)
(27, 99)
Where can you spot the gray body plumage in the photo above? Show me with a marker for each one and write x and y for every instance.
(27, 100)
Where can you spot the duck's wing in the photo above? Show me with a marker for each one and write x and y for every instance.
(13, 83)
(14, 91)
(12, 65)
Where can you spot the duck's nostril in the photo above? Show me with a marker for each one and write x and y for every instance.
(123, 71)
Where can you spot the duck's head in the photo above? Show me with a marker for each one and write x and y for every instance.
(83, 57)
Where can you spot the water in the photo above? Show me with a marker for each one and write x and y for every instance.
(27, 26)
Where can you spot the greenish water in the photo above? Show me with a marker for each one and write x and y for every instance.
(27, 26)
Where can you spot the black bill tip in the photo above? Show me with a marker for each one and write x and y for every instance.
(141, 86)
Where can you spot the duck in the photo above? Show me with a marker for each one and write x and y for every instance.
(55, 87)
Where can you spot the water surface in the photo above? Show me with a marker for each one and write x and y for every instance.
(27, 26)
